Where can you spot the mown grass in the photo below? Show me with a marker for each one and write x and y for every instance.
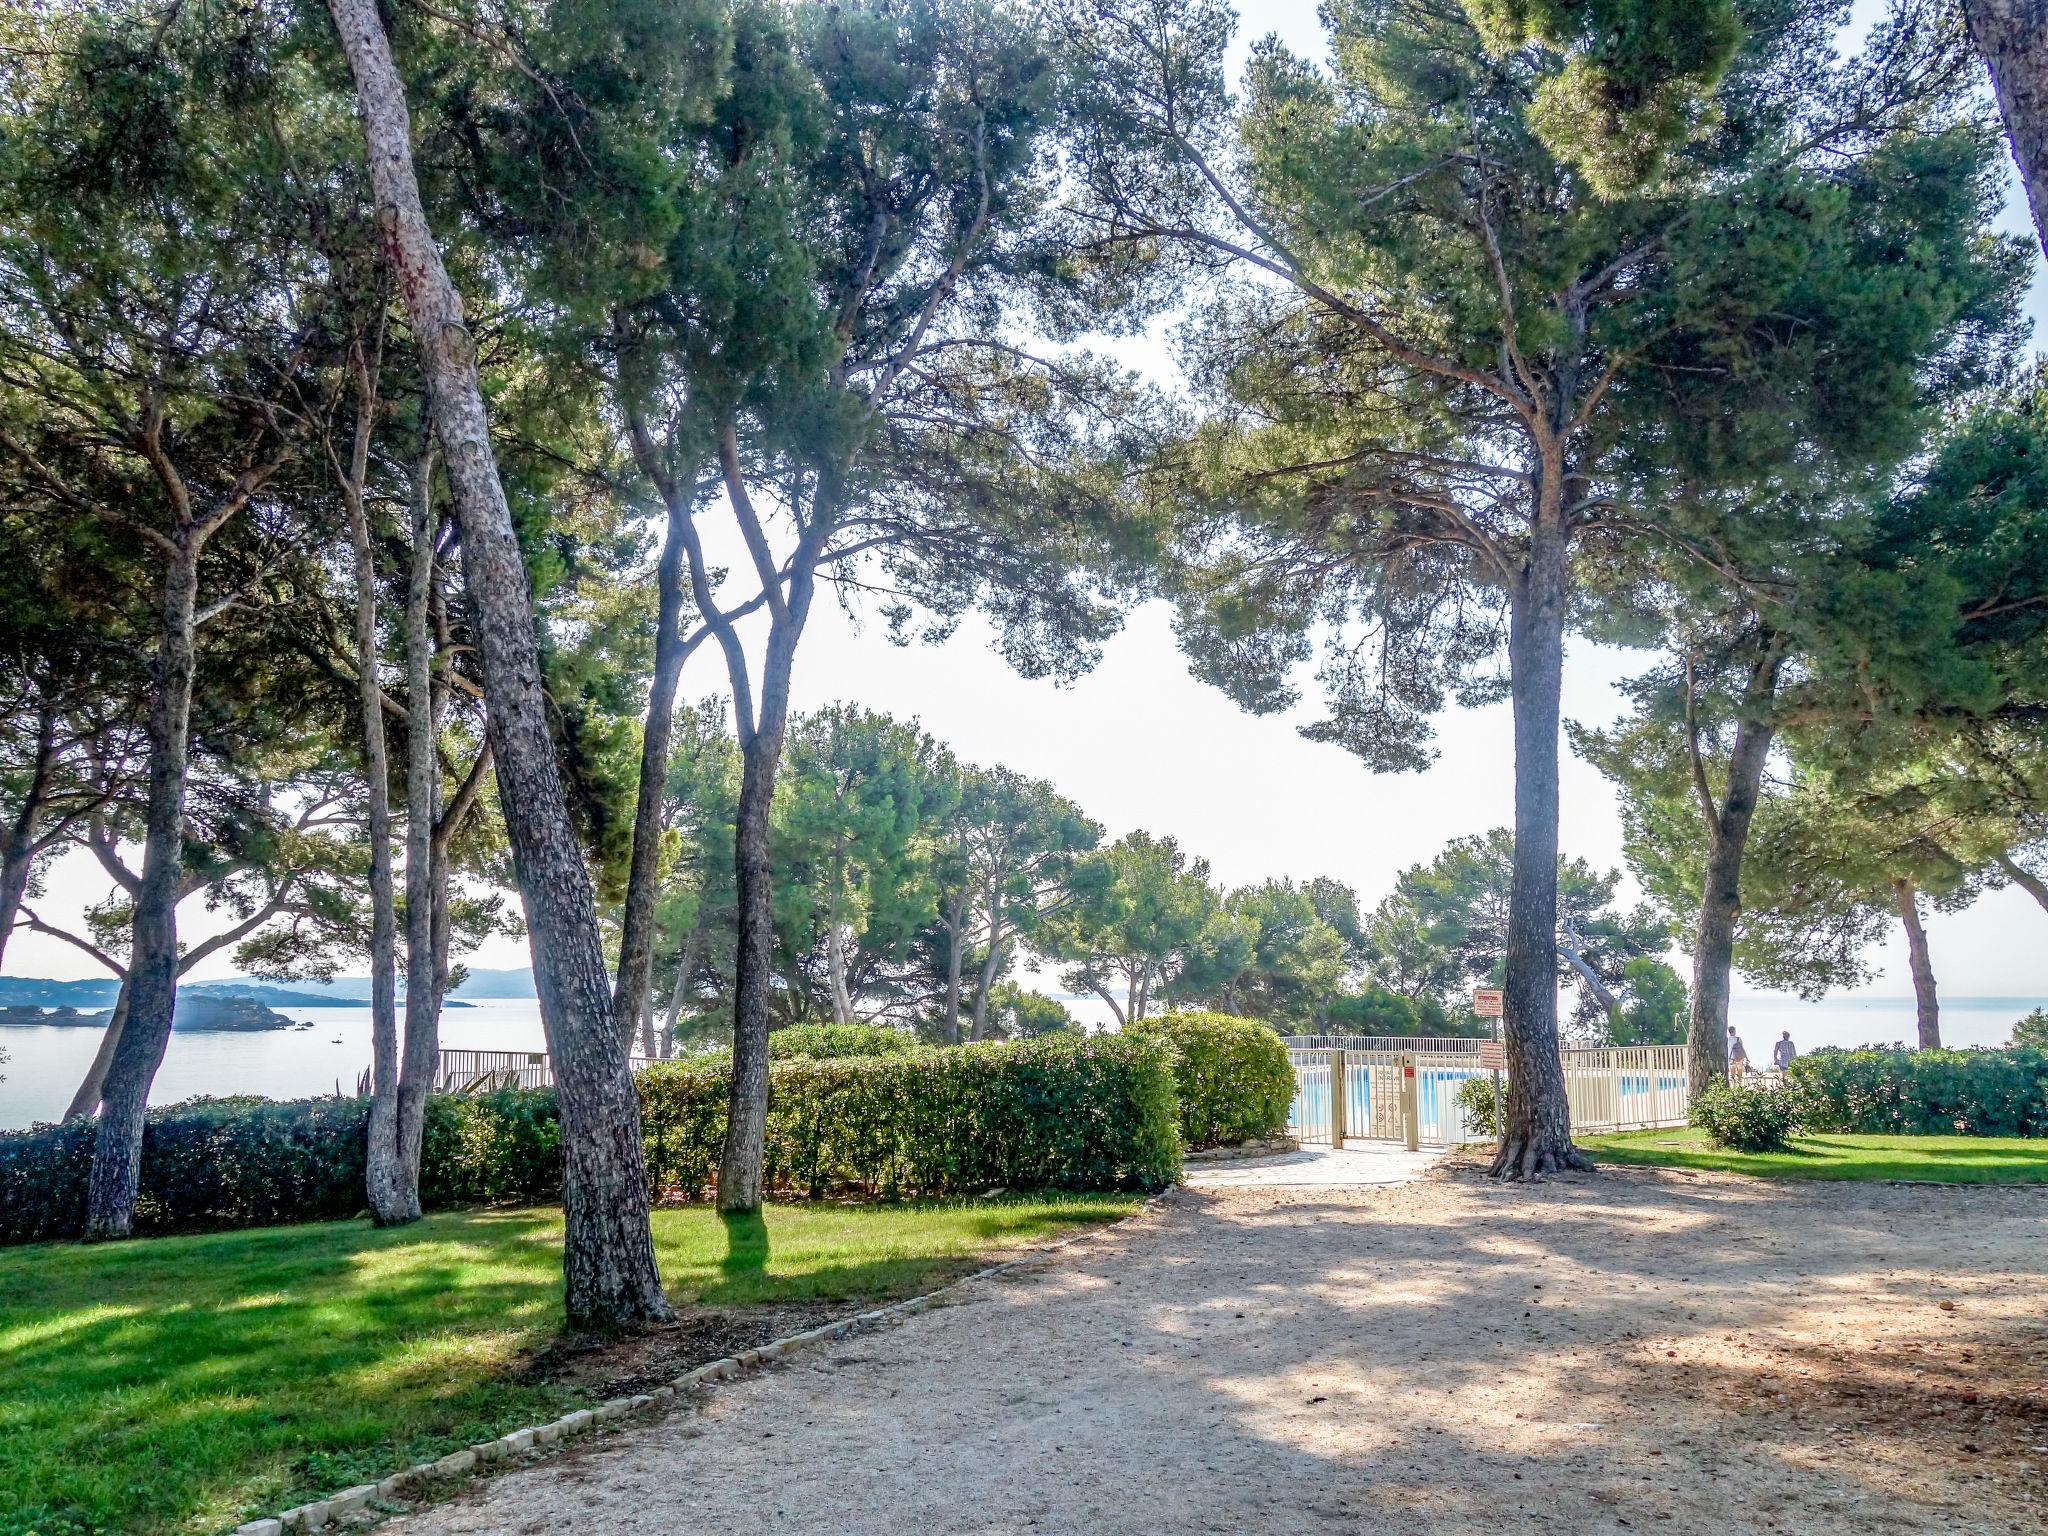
(183, 1384)
(1943, 1159)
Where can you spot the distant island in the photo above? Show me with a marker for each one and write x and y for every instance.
(197, 1012)
(99, 992)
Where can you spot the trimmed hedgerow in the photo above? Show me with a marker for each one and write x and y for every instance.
(1923, 1093)
(1061, 1112)
(824, 1042)
(1746, 1119)
(1058, 1112)
(1232, 1074)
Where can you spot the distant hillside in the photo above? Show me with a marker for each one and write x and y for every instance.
(342, 992)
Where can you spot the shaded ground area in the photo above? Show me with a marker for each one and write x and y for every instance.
(1637, 1350)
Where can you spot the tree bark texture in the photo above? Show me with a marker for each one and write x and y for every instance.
(381, 1175)
(1536, 1139)
(1926, 1005)
(2012, 35)
(152, 986)
(608, 1250)
(1713, 950)
(739, 1167)
(426, 859)
(633, 991)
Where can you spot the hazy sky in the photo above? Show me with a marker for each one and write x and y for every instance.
(1140, 743)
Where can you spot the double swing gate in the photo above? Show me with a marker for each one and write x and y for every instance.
(1396, 1088)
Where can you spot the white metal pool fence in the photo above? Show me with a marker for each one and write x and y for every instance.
(1405, 1089)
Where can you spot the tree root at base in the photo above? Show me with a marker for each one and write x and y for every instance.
(1531, 1161)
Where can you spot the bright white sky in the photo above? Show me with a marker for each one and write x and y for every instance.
(1140, 743)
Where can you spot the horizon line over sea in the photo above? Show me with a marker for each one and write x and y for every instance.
(45, 1064)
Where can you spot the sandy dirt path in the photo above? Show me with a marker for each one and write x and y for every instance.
(1641, 1350)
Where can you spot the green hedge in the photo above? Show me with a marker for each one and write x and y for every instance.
(1060, 1112)
(258, 1162)
(1233, 1076)
(1057, 1112)
(824, 1042)
(1923, 1093)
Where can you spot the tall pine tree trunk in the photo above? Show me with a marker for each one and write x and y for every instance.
(1926, 1005)
(632, 994)
(2012, 35)
(426, 860)
(956, 931)
(991, 966)
(686, 967)
(153, 953)
(380, 1161)
(608, 1250)
(1536, 1139)
(1713, 950)
(739, 1167)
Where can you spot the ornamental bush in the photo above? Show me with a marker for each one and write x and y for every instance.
(824, 1042)
(1923, 1093)
(1475, 1098)
(1058, 1112)
(1233, 1076)
(1062, 1112)
(1746, 1119)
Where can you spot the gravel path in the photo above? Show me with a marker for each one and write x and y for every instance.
(1637, 1350)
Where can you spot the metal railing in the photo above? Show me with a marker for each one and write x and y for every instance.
(482, 1071)
(1398, 1089)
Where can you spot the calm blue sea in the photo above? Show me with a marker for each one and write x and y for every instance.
(43, 1066)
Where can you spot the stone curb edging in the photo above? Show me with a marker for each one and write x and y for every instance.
(322, 1513)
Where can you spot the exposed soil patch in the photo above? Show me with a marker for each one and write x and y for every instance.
(1634, 1349)
(623, 1366)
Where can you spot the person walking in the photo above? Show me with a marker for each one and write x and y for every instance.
(1784, 1053)
(1738, 1057)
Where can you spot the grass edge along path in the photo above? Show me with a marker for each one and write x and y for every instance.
(183, 1384)
(1933, 1159)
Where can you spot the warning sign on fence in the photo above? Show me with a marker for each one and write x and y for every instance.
(1493, 1056)
(1489, 1002)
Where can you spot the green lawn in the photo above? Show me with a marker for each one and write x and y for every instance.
(187, 1383)
(1949, 1159)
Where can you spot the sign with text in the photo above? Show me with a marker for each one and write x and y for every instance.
(1489, 1002)
(1493, 1056)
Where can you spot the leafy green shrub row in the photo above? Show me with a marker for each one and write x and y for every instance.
(1923, 1093)
(824, 1042)
(257, 1162)
(1746, 1119)
(1058, 1112)
(1233, 1077)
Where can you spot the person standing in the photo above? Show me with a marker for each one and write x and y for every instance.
(1738, 1057)
(1784, 1053)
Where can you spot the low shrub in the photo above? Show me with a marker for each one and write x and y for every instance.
(826, 1042)
(1923, 1093)
(1232, 1074)
(1746, 1119)
(1475, 1098)
(1059, 1112)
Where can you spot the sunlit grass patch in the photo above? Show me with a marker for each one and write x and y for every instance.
(186, 1383)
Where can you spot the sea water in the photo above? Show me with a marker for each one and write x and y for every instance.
(43, 1066)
